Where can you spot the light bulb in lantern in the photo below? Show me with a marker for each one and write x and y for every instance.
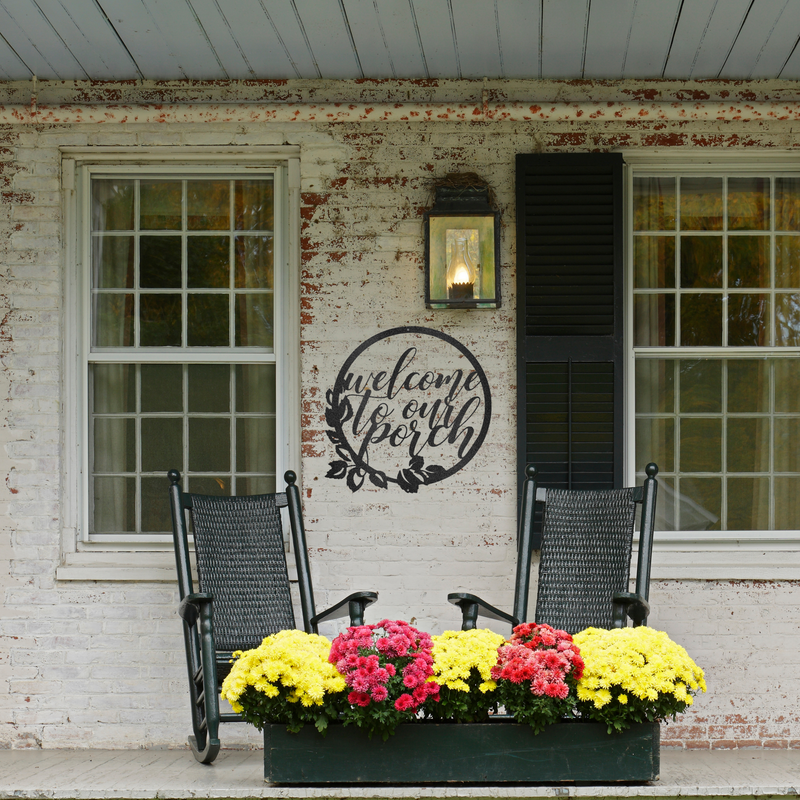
(460, 272)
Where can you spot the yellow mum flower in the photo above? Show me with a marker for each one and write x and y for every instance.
(293, 660)
(639, 663)
(457, 653)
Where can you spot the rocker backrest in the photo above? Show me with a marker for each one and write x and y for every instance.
(587, 538)
(586, 550)
(241, 561)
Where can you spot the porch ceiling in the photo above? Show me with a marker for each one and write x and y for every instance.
(418, 39)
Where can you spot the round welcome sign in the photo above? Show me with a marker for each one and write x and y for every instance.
(411, 406)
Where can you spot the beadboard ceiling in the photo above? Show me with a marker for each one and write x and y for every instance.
(418, 39)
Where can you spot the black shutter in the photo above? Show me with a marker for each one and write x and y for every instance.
(570, 317)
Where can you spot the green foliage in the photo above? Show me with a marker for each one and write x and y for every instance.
(464, 705)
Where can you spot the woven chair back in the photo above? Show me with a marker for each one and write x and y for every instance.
(587, 538)
(241, 561)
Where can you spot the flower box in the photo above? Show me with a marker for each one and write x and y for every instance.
(499, 751)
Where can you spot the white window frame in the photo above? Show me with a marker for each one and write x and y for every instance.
(148, 558)
(702, 555)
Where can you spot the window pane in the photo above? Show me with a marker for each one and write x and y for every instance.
(787, 385)
(208, 262)
(254, 262)
(216, 485)
(787, 503)
(701, 262)
(654, 204)
(255, 444)
(253, 201)
(207, 320)
(255, 388)
(748, 261)
(701, 320)
(748, 504)
(787, 444)
(160, 262)
(113, 388)
(787, 320)
(787, 262)
(160, 205)
(113, 320)
(748, 444)
(655, 385)
(209, 387)
(156, 515)
(787, 204)
(655, 441)
(701, 204)
(114, 502)
(259, 484)
(112, 204)
(254, 320)
(208, 205)
(748, 320)
(701, 444)
(748, 386)
(162, 444)
(700, 504)
(654, 320)
(112, 262)
(209, 444)
(160, 320)
(748, 204)
(654, 262)
(700, 386)
(162, 387)
(114, 444)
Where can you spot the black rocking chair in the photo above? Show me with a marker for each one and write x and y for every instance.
(584, 571)
(243, 590)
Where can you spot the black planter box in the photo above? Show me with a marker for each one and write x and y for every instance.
(494, 752)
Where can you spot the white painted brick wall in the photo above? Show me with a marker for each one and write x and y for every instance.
(101, 663)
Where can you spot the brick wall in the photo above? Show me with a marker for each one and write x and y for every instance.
(101, 663)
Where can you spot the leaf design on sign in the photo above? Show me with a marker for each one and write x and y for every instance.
(337, 469)
(379, 479)
(345, 410)
(408, 481)
(433, 472)
(355, 479)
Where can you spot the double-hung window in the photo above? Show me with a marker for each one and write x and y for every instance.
(716, 339)
(187, 344)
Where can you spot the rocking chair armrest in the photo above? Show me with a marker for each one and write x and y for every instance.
(354, 605)
(472, 606)
(190, 606)
(630, 604)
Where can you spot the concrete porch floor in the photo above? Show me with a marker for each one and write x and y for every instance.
(168, 774)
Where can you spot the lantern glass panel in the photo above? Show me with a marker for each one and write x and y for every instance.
(461, 261)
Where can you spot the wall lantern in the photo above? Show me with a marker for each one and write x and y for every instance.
(462, 245)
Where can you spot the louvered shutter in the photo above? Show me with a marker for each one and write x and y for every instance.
(570, 318)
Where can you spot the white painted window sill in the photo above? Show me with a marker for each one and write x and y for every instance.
(704, 557)
(139, 567)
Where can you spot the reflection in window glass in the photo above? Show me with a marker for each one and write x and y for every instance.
(701, 204)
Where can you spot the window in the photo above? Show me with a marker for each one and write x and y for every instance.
(188, 342)
(716, 338)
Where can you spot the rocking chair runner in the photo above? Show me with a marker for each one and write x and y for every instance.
(587, 539)
(243, 590)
